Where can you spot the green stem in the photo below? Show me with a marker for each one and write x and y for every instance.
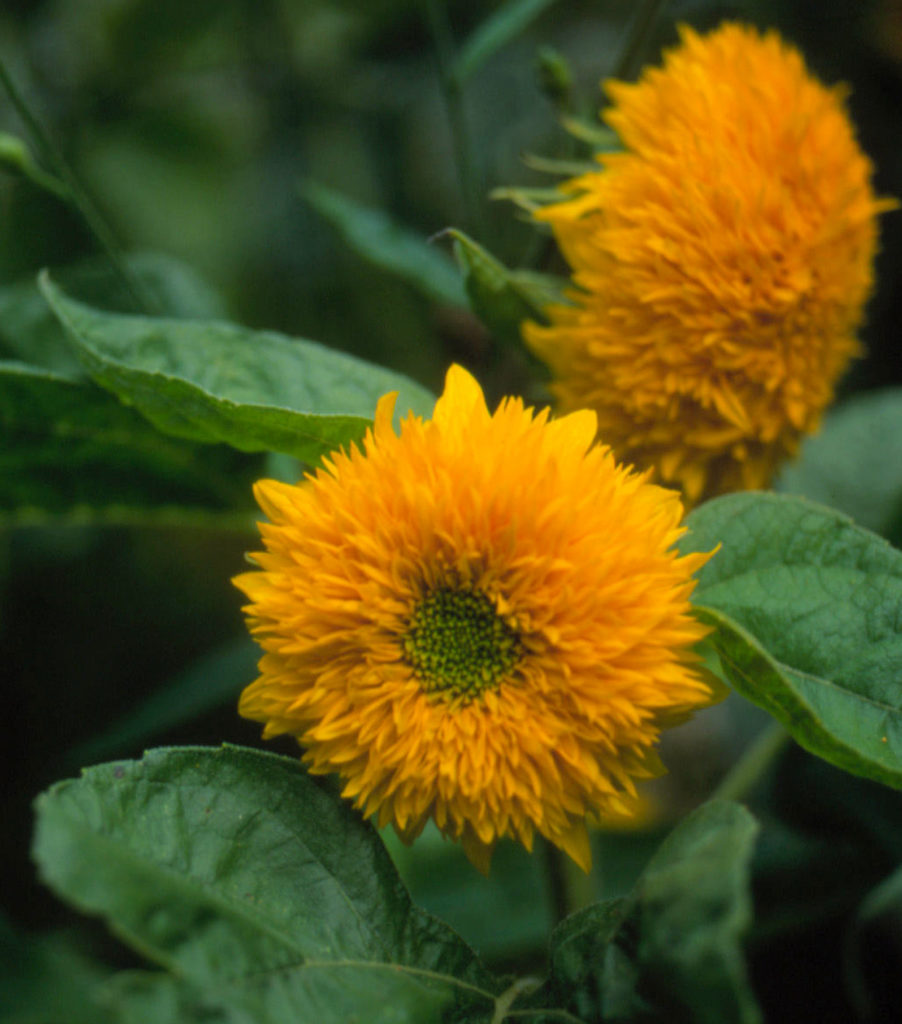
(569, 887)
(440, 29)
(509, 996)
(76, 195)
(637, 40)
(754, 762)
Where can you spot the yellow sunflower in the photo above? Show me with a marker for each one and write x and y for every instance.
(481, 620)
(721, 263)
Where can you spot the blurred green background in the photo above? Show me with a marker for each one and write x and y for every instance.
(194, 127)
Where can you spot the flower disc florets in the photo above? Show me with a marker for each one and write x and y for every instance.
(480, 619)
(721, 263)
(458, 644)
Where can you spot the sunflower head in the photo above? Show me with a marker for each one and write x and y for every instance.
(721, 263)
(480, 619)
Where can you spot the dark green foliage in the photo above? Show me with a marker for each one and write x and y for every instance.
(264, 895)
(808, 612)
(213, 381)
(670, 950)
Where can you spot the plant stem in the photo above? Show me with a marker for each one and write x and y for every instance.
(569, 887)
(440, 29)
(640, 32)
(76, 195)
(754, 762)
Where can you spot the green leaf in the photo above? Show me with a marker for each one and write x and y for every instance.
(496, 31)
(137, 997)
(211, 381)
(70, 446)
(601, 138)
(237, 873)
(855, 463)
(671, 949)
(29, 331)
(808, 612)
(47, 980)
(503, 298)
(152, 997)
(386, 244)
(16, 157)
(527, 199)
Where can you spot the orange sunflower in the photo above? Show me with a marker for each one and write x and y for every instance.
(480, 619)
(721, 263)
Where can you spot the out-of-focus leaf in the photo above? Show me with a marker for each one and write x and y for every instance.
(528, 199)
(855, 463)
(16, 157)
(29, 331)
(70, 446)
(503, 298)
(504, 25)
(216, 382)
(209, 683)
(389, 245)
(564, 168)
(671, 949)
(255, 886)
(152, 997)
(808, 612)
(601, 138)
(875, 982)
(46, 980)
(504, 915)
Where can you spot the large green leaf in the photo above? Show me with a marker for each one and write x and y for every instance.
(68, 445)
(213, 381)
(260, 889)
(808, 612)
(29, 331)
(671, 949)
(855, 463)
(386, 244)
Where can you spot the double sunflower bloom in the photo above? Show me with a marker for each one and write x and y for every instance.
(479, 620)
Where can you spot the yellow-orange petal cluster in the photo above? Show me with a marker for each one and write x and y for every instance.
(721, 263)
(480, 619)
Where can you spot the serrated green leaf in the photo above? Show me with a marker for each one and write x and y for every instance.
(29, 331)
(854, 464)
(213, 382)
(671, 949)
(808, 610)
(237, 872)
(387, 244)
(503, 298)
(496, 31)
(68, 445)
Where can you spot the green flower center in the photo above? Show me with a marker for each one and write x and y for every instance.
(458, 644)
